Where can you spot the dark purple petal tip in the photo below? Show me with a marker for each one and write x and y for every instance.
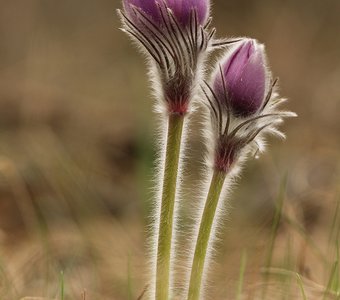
(182, 9)
(149, 7)
(245, 75)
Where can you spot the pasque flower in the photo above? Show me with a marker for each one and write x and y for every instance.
(243, 102)
(175, 34)
(243, 106)
(246, 78)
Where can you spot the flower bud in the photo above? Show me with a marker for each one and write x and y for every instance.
(175, 35)
(182, 9)
(245, 79)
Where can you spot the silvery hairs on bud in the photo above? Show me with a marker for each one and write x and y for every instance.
(244, 104)
(176, 39)
(243, 107)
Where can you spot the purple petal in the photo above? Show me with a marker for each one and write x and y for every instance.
(245, 79)
(147, 6)
(183, 8)
(238, 60)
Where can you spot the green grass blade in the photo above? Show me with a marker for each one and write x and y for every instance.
(274, 230)
(332, 279)
(276, 221)
(335, 222)
(242, 273)
(62, 286)
(300, 283)
(336, 282)
(129, 280)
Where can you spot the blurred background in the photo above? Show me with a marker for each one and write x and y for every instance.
(77, 149)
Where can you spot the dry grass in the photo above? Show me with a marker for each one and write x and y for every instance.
(76, 154)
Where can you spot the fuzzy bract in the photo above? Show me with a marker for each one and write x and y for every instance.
(176, 38)
(244, 104)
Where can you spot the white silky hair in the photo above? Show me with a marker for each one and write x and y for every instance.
(162, 128)
(160, 109)
(209, 134)
(210, 137)
(222, 211)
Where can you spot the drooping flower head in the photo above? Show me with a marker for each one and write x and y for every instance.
(244, 104)
(245, 77)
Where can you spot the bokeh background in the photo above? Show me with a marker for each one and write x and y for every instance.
(77, 148)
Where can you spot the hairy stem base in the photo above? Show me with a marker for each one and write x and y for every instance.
(172, 157)
(202, 243)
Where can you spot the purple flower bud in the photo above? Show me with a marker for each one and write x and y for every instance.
(245, 76)
(176, 37)
(182, 9)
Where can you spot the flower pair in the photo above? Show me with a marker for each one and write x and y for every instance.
(175, 35)
(243, 106)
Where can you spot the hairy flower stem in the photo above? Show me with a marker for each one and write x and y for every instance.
(204, 233)
(172, 157)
